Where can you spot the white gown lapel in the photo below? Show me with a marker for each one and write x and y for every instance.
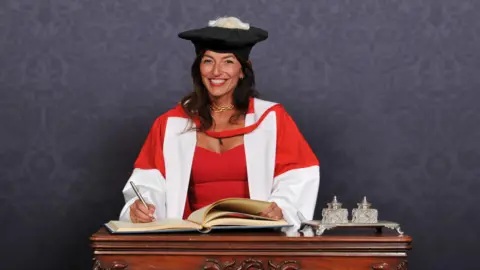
(178, 149)
(260, 153)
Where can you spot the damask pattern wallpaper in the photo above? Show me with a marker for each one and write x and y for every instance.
(386, 92)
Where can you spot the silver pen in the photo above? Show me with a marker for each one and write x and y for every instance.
(138, 194)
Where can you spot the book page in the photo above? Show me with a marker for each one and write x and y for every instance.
(237, 205)
(199, 215)
(247, 206)
(214, 214)
(164, 224)
(244, 222)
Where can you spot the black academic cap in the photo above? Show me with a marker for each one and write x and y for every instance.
(220, 39)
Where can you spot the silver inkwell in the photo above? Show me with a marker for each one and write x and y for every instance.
(334, 213)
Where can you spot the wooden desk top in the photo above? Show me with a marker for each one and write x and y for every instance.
(264, 235)
(264, 240)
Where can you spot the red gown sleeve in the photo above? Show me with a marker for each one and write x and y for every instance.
(151, 153)
(293, 151)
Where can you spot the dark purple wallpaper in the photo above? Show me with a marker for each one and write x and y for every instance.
(386, 92)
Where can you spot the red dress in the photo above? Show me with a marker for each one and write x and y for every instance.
(216, 176)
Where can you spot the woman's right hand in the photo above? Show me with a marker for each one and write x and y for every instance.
(140, 214)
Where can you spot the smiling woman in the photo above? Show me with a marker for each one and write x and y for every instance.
(222, 82)
(223, 141)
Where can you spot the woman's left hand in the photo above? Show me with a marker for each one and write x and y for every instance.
(273, 211)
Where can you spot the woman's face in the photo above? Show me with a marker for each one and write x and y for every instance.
(220, 73)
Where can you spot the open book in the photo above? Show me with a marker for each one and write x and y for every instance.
(230, 213)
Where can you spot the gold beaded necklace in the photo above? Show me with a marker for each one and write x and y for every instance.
(216, 108)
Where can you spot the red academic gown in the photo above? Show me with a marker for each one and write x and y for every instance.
(280, 165)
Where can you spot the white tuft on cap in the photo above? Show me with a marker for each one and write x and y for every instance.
(229, 22)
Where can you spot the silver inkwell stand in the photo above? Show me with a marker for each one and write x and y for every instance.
(334, 216)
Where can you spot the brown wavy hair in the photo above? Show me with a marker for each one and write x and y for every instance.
(197, 103)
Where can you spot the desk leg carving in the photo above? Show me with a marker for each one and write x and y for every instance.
(380, 266)
(385, 266)
(114, 266)
(212, 264)
(251, 264)
(248, 264)
(403, 265)
(285, 265)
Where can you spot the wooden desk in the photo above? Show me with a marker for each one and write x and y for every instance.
(269, 250)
